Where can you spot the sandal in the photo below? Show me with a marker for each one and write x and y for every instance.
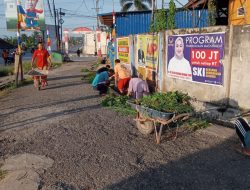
(243, 151)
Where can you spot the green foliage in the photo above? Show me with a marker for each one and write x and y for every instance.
(10, 39)
(56, 65)
(29, 41)
(27, 81)
(26, 67)
(160, 21)
(171, 15)
(90, 76)
(3, 173)
(99, 61)
(175, 102)
(196, 123)
(6, 71)
(212, 12)
(119, 104)
(85, 70)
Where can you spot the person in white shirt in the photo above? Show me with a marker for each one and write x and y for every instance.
(178, 66)
(137, 87)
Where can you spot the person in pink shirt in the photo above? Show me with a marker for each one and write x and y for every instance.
(137, 87)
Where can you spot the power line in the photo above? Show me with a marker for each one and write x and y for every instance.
(82, 3)
(69, 12)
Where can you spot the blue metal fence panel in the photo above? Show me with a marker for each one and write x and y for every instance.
(138, 22)
(132, 23)
(191, 19)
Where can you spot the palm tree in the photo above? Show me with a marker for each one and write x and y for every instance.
(138, 5)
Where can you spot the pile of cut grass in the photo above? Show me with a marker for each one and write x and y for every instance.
(118, 103)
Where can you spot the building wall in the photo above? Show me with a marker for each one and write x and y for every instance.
(236, 77)
(236, 67)
(89, 43)
(240, 82)
(200, 91)
(234, 17)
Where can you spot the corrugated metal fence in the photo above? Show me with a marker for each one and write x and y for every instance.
(139, 22)
(133, 23)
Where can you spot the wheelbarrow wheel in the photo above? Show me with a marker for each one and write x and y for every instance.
(146, 127)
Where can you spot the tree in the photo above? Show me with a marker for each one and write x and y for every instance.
(10, 39)
(160, 23)
(212, 7)
(171, 15)
(138, 5)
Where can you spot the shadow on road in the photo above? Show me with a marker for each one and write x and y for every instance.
(56, 86)
(22, 109)
(64, 77)
(219, 167)
(64, 186)
(45, 117)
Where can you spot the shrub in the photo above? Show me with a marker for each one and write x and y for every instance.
(85, 70)
(6, 71)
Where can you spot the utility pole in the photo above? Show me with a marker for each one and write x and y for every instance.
(58, 30)
(97, 23)
(162, 4)
(55, 15)
(61, 21)
(97, 12)
(97, 8)
(152, 16)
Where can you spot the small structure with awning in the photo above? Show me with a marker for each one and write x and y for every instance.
(221, 6)
(229, 12)
(5, 45)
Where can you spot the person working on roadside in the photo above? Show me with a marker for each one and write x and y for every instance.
(101, 81)
(243, 132)
(122, 77)
(43, 63)
(137, 87)
(5, 57)
(101, 69)
(78, 52)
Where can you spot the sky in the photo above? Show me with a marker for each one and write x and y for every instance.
(76, 12)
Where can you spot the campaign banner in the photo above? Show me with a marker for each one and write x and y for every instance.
(147, 54)
(52, 35)
(123, 50)
(28, 14)
(152, 51)
(141, 50)
(196, 57)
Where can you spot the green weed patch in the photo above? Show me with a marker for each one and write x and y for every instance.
(118, 103)
(6, 71)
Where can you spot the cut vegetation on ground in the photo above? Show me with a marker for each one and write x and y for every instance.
(171, 102)
(118, 103)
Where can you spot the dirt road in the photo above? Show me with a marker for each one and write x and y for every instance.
(96, 148)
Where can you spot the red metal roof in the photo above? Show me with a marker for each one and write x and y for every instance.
(82, 29)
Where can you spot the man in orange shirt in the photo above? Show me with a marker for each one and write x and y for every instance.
(43, 62)
(122, 77)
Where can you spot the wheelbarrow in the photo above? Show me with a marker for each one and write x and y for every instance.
(149, 120)
(38, 74)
